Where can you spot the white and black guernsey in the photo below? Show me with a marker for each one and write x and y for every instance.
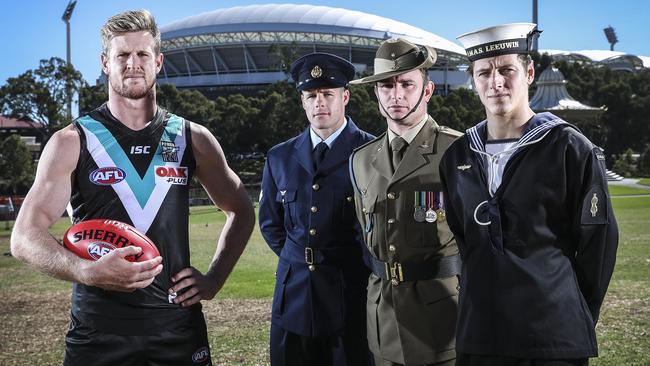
(140, 178)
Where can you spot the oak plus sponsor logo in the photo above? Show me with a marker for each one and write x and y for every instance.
(99, 249)
(201, 355)
(107, 175)
(171, 174)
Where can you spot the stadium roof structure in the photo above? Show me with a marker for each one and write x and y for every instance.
(615, 60)
(245, 44)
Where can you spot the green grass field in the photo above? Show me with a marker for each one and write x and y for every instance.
(616, 190)
(35, 308)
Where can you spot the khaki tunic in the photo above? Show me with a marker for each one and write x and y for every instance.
(412, 322)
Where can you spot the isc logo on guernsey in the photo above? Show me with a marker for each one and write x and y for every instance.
(107, 175)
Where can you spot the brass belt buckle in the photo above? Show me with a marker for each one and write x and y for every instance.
(394, 273)
(309, 258)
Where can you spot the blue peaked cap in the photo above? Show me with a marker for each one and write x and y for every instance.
(321, 70)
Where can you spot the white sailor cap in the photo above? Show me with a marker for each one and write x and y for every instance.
(499, 40)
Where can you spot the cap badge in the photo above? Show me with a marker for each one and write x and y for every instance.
(316, 72)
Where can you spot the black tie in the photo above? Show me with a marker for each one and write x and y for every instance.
(318, 155)
(398, 146)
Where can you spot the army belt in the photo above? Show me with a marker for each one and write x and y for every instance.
(397, 272)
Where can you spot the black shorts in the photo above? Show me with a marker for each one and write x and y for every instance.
(186, 344)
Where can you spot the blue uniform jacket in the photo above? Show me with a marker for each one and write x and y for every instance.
(302, 208)
(538, 254)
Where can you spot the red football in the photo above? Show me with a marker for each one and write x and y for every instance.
(92, 239)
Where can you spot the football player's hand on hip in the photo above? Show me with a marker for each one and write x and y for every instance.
(194, 286)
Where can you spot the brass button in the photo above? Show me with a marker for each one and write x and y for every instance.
(391, 248)
(392, 196)
(315, 187)
(349, 199)
(312, 267)
(314, 209)
(391, 221)
(394, 282)
(312, 232)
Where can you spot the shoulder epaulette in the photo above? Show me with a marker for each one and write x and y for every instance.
(450, 131)
(376, 139)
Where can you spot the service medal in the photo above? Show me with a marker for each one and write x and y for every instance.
(419, 202)
(419, 215)
(441, 214)
(431, 215)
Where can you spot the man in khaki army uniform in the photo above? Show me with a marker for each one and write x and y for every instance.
(413, 290)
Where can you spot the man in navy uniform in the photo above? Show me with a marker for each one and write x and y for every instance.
(527, 201)
(307, 218)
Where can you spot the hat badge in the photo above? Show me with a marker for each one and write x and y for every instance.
(316, 72)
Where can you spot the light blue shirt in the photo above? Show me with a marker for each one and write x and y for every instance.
(315, 139)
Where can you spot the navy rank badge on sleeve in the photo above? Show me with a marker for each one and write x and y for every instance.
(594, 207)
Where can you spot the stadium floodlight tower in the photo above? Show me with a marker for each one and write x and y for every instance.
(535, 20)
(67, 14)
(610, 33)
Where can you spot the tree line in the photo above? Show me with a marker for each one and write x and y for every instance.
(245, 124)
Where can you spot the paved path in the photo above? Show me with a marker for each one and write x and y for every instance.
(631, 195)
(629, 182)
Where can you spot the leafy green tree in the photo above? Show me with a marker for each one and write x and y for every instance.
(644, 162)
(282, 56)
(626, 95)
(41, 95)
(236, 128)
(364, 110)
(625, 165)
(16, 166)
(190, 104)
(280, 117)
(459, 110)
(91, 97)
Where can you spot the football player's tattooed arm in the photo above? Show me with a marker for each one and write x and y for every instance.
(46, 201)
(227, 192)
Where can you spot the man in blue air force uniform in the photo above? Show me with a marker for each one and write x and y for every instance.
(307, 218)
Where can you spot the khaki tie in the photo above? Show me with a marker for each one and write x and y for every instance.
(398, 145)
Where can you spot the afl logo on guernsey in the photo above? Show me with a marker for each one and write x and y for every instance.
(99, 249)
(107, 176)
(201, 355)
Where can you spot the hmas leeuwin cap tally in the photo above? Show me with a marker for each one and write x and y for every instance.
(499, 40)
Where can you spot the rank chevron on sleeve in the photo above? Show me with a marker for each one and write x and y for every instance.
(141, 197)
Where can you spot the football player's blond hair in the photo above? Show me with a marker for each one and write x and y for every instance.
(130, 21)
